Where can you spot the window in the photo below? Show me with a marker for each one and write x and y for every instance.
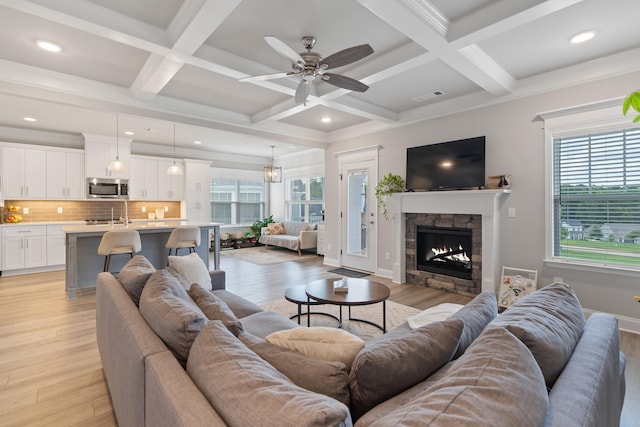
(305, 199)
(595, 194)
(235, 201)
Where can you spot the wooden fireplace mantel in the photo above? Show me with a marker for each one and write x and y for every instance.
(474, 202)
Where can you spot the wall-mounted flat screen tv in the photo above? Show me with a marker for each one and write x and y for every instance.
(446, 166)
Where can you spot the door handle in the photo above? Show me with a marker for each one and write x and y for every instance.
(371, 222)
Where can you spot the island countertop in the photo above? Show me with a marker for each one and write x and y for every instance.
(84, 263)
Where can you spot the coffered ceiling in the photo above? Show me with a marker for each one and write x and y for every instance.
(156, 63)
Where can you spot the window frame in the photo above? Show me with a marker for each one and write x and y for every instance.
(302, 174)
(582, 120)
(238, 175)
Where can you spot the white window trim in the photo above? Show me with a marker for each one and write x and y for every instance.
(601, 117)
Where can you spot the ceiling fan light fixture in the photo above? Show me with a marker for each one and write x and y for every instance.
(272, 174)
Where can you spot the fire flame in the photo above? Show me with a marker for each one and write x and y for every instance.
(462, 257)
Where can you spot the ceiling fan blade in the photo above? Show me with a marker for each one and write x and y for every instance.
(264, 77)
(347, 56)
(344, 82)
(284, 50)
(302, 91)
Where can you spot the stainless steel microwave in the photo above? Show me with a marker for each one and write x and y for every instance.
(104, 188)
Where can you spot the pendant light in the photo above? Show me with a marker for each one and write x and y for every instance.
(174, 169)
(117, 165)
(272, 173)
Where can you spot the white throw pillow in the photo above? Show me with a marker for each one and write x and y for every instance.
(192, 268)
(433, 314)
(320, 342)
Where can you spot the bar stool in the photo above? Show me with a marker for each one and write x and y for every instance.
(117, 242)
(184, 237)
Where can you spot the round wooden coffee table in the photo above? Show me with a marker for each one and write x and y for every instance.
(298, 296)
(360, 292)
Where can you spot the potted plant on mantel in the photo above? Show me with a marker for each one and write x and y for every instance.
(632, 101)
(388, 185)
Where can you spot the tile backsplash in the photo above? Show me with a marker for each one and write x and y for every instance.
(80, 210)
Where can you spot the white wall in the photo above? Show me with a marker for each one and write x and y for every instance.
(514, 145)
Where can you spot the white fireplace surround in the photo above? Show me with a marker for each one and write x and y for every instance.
(472, 202)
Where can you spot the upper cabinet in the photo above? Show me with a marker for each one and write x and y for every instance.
(65, 174)
(143, 181)
(170, 187)
(23, 173)
(100, 150)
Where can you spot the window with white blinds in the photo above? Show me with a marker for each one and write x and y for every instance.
(596, 198)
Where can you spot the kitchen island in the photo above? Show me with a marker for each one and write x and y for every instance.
(83, 262)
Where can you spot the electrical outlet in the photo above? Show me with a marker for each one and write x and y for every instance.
(25, 211)
(558, 279)
(166, 208)
(59, 210)
(328, 246)
(387, 256)
(512, 212)
(144, 209)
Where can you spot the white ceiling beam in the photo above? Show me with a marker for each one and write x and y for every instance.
(193, 24)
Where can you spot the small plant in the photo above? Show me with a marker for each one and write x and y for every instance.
(632, 101)
(388, 185)
(256, 227)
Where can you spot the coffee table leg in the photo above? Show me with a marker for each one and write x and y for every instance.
(384, 316)
(308, 312)
(300, 311)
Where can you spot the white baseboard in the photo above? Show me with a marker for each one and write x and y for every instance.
(625, 323)
(387, 274)
(332, 262)
(21, 271)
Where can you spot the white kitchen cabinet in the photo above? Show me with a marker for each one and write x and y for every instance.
(170, 187)
(198, 190)
(143, 180)
(24, 247)
(65, 175)
(23, 173)
(100, 150)
(56, 248)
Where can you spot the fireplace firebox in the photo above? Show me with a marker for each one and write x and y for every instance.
(444, 251)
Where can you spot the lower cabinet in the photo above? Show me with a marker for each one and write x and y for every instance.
(24, 247)
(321, 239)
(56, 248)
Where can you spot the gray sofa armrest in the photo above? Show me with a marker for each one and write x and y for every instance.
(124, 341)
(590, 390)
(172, 399)
(218, 279)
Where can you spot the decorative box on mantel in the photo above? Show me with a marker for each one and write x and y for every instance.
(485, 203)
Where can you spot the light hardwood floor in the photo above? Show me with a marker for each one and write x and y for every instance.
(50, 371)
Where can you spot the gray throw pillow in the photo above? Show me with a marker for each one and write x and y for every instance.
(549, 322)
(320, 376)
(171, 314)
(134, 275)
(495, 383)
(214, 308)
(385, 368)
(476, 315)
(246, 390)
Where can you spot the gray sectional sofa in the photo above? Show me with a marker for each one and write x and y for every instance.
(538, 363)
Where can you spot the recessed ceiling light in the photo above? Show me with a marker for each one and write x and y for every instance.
(128, 132)
(49, 46)
(583, 37)
(197, 142)
(326, 120)
(30, 119)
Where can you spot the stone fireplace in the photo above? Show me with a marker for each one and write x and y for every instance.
(444, 251)
(478, 210)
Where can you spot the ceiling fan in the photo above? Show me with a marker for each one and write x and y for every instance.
(309, 65)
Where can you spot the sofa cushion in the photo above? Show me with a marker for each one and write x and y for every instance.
(267, 322)
(320, 376)
(241, 307)
(134, 275)
(171, 314)
(476, 315)
(275, 228)
(214, 308)
(497, 382)
(320, 342)
(245, 389)
(387, 367)
(549, 321)
(192, 268)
